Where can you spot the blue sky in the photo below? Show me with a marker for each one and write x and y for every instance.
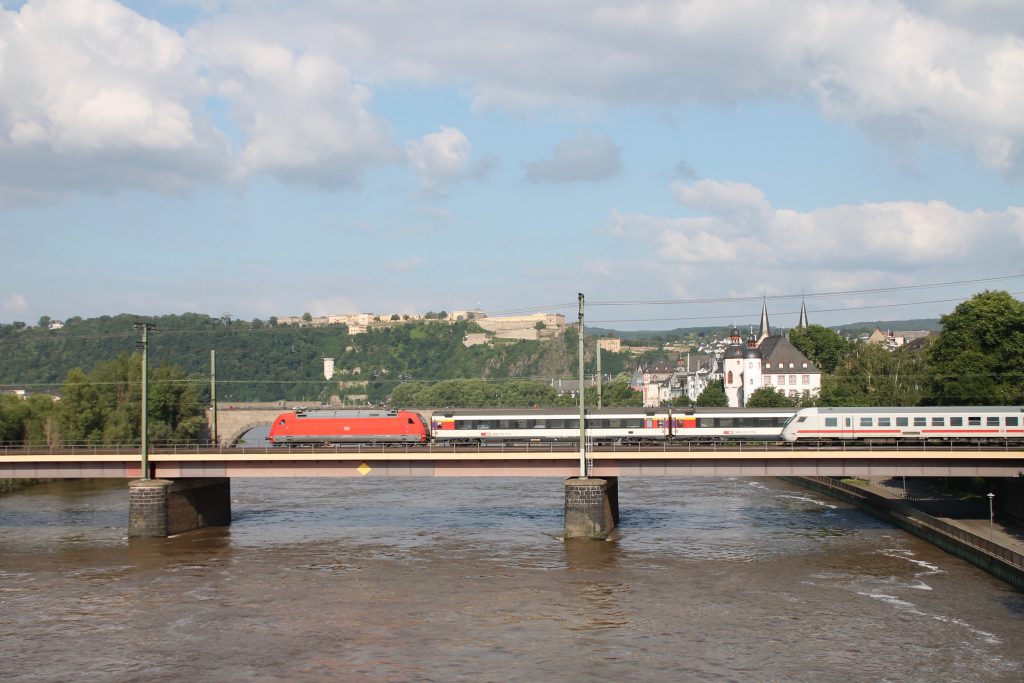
(269, 158)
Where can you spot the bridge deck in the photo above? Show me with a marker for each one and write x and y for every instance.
(508, 462)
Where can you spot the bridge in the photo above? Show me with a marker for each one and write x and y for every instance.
(189, 488)
(527, 460)
(235, 419)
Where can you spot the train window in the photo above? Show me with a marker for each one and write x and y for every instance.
(884, 421)
(865, 422)
(992, 421)
(920, 421)
(1011, 421)
(956, 422)
(831, 421)
(974, 421)
(938, 422)
(902, 422)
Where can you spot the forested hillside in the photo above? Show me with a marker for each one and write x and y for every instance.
(262, 361)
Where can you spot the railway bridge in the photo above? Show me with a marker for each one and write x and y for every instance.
(188, 487)
(235, 419)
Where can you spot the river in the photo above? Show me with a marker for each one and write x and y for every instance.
(468, 580)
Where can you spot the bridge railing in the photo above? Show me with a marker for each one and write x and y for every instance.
(703, 447)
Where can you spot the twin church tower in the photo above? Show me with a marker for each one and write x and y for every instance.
(768, 360)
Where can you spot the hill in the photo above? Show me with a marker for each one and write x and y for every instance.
(262, 361)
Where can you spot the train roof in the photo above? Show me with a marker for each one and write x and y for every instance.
(575, 411)
(912, 409)
(351, 414)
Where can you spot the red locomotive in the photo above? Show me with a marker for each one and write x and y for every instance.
(348, 426)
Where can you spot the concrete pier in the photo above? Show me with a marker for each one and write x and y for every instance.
(162, 507)
(591, 507)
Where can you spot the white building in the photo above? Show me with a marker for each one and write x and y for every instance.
(768, 361)
(663, 383)
(536, 326)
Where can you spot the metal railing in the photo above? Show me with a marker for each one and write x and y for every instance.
(510, 447)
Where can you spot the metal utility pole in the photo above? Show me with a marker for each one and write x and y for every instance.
(583, 424)
(144, 346)
(991, 515)
(600, 398)
(213, 396)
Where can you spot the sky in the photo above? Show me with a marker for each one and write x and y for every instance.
(678, 162)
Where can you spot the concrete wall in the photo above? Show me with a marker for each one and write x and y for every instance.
(994, 559)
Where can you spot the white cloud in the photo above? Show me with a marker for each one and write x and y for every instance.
(439, 158)
(94, 96)
(952, 73)
(744, 239)
(585, 158)
(13, 304)
(404, 266)
(301, 116)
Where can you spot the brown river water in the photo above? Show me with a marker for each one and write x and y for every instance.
(469, 580)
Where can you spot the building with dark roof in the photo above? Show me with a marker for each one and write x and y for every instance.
(768, 360)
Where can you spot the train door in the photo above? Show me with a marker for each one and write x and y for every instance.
(847, 427)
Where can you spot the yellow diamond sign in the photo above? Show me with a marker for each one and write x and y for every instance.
(364, 469)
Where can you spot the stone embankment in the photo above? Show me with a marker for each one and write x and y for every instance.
(961, 528)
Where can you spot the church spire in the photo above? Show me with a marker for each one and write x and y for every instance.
(803, 315)
(766, 330)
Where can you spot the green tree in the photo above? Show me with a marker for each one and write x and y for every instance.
(30, 420)
(874, 376)
(81, 415)
(615, 394)
(822, 346)
(979, 357)
(174, 410)
(767, 397)
(713, 396)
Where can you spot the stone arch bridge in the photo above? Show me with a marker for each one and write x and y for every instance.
(235, 419)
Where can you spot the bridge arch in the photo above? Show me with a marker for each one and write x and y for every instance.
(233, 438)
(234, 421)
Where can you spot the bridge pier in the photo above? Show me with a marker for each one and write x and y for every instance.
(162, 507)
(591, 507)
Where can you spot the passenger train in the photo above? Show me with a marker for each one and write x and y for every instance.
(649, 425)
(902, 424)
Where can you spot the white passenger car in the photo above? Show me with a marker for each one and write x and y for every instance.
(948, 423)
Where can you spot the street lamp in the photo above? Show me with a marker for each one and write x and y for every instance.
(991, 515)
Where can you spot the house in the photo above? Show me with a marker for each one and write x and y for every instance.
(892, 340)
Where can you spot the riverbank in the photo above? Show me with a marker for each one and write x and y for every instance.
(962, 527)
(13, 485)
